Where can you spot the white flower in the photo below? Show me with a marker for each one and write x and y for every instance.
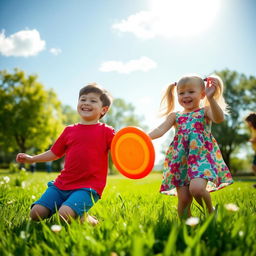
(23, 184)
(11, 202)
(6, 179)
(23, 234)
(56, 228)
(192, 221)
(231, 207)
(33, 197)
(240, 233)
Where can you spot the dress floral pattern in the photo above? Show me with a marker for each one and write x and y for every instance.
(194, 153)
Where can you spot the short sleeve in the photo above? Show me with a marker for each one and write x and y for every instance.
(59, 147)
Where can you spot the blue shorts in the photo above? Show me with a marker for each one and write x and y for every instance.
(79, 200)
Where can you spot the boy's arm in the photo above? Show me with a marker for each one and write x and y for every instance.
(164, 127)
(44, 157)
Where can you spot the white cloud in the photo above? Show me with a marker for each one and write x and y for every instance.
(140, 24)
(55, 51)
(142, 64)
(23, 43)
(170, 18)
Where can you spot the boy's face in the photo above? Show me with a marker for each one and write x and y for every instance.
(90, 108)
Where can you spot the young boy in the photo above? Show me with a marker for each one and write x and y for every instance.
(85, 146)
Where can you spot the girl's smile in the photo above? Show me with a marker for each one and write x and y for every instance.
(189, 96)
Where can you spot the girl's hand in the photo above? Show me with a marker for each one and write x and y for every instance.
(24, 158)
(211, 86)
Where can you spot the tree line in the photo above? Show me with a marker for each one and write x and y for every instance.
(32, 117)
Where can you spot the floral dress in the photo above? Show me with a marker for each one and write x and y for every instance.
(194, 153)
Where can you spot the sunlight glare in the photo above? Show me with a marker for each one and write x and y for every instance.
(183, 17)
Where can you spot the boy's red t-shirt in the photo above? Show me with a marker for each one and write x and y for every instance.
(86, 156)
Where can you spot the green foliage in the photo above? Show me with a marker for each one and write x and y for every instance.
(240, 165)
(135, 219)
(240, 95)
(70, 115)
(14, 168)
(122, 114)
(30, 115)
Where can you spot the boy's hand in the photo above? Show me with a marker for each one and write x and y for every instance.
(24, 158)
(211, 86)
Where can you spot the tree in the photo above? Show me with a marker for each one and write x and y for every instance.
(30, 116)
(70, 115)
(121, 114)
(240, 95)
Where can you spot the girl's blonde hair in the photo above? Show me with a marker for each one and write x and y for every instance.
(168, 99)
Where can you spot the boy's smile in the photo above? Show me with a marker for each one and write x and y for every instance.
(90, 108)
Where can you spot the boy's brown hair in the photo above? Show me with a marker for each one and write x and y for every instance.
(104, 95)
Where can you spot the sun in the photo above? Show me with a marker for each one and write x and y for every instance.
(183, 17)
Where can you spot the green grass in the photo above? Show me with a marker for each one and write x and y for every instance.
(135, 219)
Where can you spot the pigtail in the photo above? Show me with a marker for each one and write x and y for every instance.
(167, 103)
(218, 96)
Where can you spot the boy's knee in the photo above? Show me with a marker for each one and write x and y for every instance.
(39, 212)
(66, 213)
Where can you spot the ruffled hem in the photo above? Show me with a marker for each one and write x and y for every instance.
(211, 187)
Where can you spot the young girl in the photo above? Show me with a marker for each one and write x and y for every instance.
(251, 121)
(193, 166)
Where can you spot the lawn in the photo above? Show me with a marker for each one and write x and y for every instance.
(135, 219)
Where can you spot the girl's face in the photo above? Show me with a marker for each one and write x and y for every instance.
(249, 124)
(90, 108)
(190, 95)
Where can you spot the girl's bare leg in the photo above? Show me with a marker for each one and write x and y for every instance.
(184, 201)
(198, 190)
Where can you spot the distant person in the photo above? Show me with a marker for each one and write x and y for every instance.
(251, 121)
(33, 167)
(48, 166)
(85, 146)
(194, 165)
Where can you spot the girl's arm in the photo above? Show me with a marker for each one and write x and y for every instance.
(214, 111)
(164, 127)
(44, 157)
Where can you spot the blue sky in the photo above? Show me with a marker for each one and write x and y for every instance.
(132, 48)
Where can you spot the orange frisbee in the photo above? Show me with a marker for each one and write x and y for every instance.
(132, 152)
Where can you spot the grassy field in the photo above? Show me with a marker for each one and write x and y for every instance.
(134, 220)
